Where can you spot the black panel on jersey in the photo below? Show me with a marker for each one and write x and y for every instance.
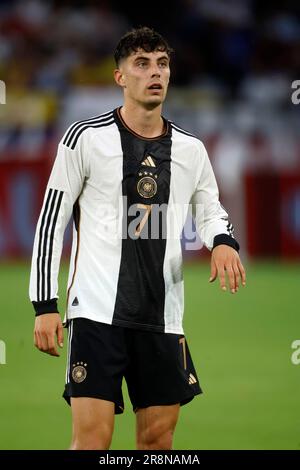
(76, 214)
(141, 289)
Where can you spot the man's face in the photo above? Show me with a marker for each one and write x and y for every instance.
(144, 77)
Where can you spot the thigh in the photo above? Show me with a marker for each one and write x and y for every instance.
(155, 426)
(91, 413)
(93, 423)
(161, 370)
(160, 417)
(97, 359)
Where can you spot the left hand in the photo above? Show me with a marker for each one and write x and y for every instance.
(224, 258)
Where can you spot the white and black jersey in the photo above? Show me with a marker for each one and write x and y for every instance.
(125, 268)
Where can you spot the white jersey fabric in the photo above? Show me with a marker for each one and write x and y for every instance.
(103, 170)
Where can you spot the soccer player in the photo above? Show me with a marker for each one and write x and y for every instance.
(127, 176)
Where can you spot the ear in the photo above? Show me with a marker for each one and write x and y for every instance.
(119, 78)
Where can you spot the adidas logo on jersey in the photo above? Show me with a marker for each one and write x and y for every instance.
(192, 379)
(75, 302)
(148, 161)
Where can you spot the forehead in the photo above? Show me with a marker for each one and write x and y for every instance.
(155, 55)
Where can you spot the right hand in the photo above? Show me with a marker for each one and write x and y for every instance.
(46, 327)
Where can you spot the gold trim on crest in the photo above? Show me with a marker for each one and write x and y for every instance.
(147, 187)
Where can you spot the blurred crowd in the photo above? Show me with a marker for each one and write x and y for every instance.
(51, 45)
(232, 69)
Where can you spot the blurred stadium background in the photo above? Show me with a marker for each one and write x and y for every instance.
(232, 75)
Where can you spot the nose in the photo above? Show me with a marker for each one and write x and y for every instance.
(155, 71)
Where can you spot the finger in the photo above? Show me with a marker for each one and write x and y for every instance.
(213, 272)
(237, 276)
(35, 339)
(52, 352)
(231, 278)
(43, 344)
(51, 345)
(60, 336)
(243, 273)
(221, 273)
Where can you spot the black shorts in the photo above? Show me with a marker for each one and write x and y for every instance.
(157, 367)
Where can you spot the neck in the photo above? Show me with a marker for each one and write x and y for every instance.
(145, 122)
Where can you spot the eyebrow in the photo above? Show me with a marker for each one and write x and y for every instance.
(141, 57)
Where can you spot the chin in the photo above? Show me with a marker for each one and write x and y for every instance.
(153, 102)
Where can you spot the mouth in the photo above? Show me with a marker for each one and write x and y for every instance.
(155, 87)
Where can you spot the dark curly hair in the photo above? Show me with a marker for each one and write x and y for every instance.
(140, 38)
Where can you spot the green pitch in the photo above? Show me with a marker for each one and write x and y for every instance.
(240, 344)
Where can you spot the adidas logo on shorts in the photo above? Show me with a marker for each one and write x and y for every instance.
(192, 379)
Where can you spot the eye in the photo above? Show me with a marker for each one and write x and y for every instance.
(163, 64)
(141, 64)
